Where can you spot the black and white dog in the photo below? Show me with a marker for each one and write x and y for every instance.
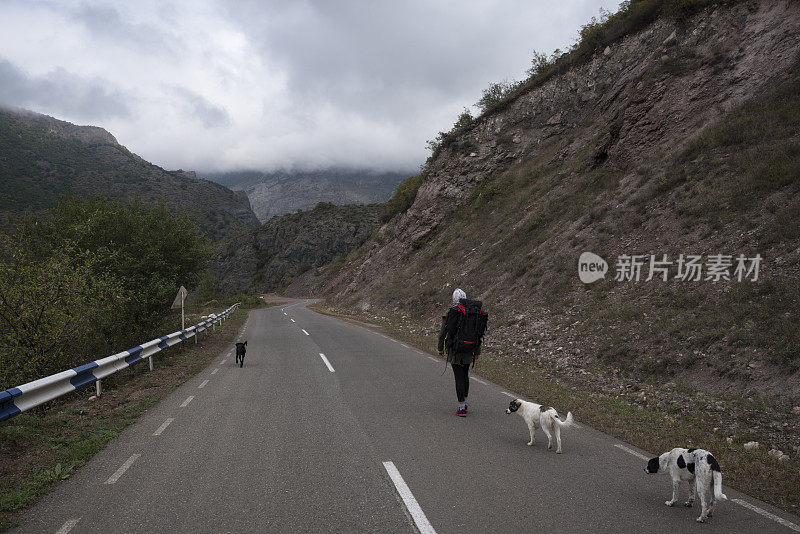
(240, 352)
(696, 466)
(547, 418)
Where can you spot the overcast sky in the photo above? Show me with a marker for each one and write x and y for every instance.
(212, 85)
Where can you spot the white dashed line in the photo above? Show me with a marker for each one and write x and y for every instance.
(411, 503)
(324, 359)
(187, 401)
(122, 469)
(306, 333)
(478, 380)
(202, 384)
(285, 313)
(756, 509)
(214, 371)
(66, 527)
(163, 426)
(292, 320)
(631, 451)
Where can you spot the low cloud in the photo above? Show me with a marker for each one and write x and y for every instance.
(61, 92)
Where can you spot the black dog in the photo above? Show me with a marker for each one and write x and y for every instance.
(240, 352)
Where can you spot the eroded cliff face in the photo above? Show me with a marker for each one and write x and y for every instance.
(633, 104)
(623, 154)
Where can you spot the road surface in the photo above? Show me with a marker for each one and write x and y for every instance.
(331, 427)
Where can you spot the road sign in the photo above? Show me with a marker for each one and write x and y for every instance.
(179, 298)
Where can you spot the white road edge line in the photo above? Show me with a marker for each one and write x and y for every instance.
(215, 371)
(432, 359)
(229, 354)
(122, 469)
(324, 359)
(163, 426)
(411, 503)
(756, 509)
(202, 384)
(631, 451)
(509, 394)
(306, 333)
(187, 401)
(69, 525)
(223, 361)
(478, 380)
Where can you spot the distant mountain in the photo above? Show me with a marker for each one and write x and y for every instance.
(271, 256)
(277, 193)
(41, 158)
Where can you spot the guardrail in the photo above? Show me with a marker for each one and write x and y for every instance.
(14, 401)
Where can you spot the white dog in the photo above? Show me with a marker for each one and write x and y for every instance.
(691, 465)
(547, 418)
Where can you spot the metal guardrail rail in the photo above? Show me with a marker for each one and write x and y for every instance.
(16, 400)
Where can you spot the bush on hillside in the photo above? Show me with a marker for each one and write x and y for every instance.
(88, 280)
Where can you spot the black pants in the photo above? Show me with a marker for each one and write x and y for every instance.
(461, 373)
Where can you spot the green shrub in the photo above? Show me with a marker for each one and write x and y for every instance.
(403, 197)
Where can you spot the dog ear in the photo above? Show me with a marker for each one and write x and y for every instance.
(653, 465)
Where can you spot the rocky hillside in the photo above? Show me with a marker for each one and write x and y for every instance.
(681, 138)
(42, 158)
(282, 192)
(271, 256)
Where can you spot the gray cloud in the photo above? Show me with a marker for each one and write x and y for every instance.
(61, 92)
(218, 84)
(207, 113)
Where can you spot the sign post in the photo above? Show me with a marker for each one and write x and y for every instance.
(178, 303)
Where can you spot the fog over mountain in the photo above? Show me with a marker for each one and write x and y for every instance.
(269, 85)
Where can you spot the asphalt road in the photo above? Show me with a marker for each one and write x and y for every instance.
(364, 440)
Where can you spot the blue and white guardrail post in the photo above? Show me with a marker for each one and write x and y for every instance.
(16, 400)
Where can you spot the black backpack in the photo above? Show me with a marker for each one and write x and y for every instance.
(470, 327)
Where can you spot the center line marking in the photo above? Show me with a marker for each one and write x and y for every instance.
(203, 384)
(411, 503)
(122, 469)
(215, 371)
(306, 333)
(66, 527)
(163, 426)
(187, 401)
(292, 320)
(777, 519)
(631, 451)
(285, 313)
(324, 359)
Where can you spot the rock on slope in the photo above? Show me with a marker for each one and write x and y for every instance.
(678, 139)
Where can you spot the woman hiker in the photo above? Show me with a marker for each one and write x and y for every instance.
(459, 360)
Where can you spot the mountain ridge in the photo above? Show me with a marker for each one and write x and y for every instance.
(42, 158)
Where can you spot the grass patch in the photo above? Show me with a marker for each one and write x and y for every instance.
(45, 445)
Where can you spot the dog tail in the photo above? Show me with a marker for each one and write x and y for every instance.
(568, 422)
(718, 486)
